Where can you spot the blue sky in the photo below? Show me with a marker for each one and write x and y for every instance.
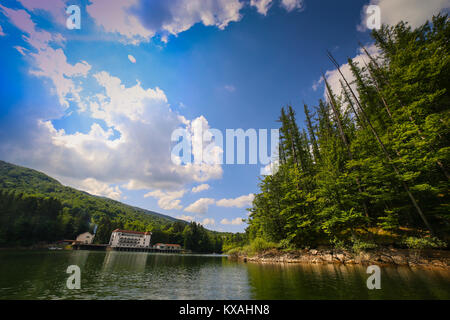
(95, 107)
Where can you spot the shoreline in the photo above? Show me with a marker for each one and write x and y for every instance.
(388, 257)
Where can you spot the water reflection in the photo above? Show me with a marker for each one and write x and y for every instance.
(131, 262)
(333, 281)
(128, 275)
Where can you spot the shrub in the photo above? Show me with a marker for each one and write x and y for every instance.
(360, 245)
(424, 243)
(259, 244)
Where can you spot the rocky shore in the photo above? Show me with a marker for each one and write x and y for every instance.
(399, 257)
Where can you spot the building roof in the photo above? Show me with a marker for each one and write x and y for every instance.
(133, 232)
(85, 233)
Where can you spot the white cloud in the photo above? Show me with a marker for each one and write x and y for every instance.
(114, 16)
(236, 221)
(138, 21)
(52, 63)
(131, 58)
(134, 103)
(56, 8)
(262, 6)
(291, 5)
(333, 76)
(99, 188)
(167, 200)
(208, 222)
(20, 18)
(186, 218)
(200, 206)
(205, 222)
(271, 168)
(131, 148)
(239, 202)
(200, 188)
(1, 32)
(415, 12)
(49, 62)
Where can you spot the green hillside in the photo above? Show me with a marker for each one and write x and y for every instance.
(32, 182)
(35, 208)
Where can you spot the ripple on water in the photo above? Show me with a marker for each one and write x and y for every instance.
(126, 275)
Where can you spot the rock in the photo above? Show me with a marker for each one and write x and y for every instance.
(340, 257)
(327, 257)
(438, 263)
(313, 251)
(399, 259)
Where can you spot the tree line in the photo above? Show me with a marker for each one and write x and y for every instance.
(27, 220)
(192, 236)
(370, 164)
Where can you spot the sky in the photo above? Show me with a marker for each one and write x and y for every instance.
(96, 107)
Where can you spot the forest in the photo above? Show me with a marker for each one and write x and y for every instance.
(37, 209)
(369, 167)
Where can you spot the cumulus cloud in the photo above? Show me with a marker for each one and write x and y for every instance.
(131, 147)
(291, 5)
(99, 188)
(56, 8)
(167, 200)
(186, 218)
(208, 222)
(415, 12)
(200, 206)
(131, 58)
(21, 19)
(49, 62)
(333, 76)
(205, 222)
(139, 20)
(236, 221)
(114, 17)
(239, 202)
(200, 188)
(271, 168)
(262, 6)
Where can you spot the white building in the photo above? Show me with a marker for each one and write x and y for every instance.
(130, 239)
(165, 246)
(85, 238)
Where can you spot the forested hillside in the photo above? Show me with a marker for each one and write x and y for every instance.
(370, 164)
(36, 208)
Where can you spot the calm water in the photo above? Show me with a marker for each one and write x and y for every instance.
(126, 275)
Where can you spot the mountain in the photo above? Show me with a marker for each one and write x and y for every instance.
(36, 209)
(31, 182)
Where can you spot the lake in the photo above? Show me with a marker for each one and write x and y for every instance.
(129, 275)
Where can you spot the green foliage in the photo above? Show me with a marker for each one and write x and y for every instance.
(259, 245)
(27, 220)
(36, 208)
(424, 243)
(370, 157)
(255, 246)
(361, 246)
(198, 239)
